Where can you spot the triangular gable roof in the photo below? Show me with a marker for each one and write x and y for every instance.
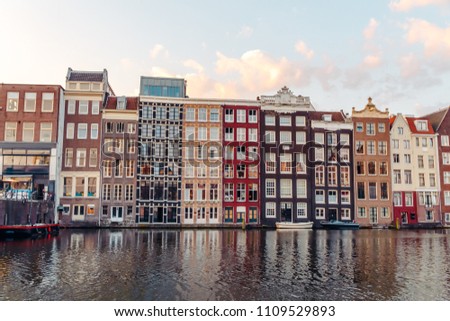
(437, 118)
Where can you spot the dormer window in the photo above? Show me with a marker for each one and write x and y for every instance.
(121, 103)
(422, 125)
(326, 117)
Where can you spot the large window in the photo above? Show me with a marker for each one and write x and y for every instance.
(252, 116)
(241, 192)
(81, 157)
(372, 190)
(68, 157)
(270, 209)
(83, 107)
(47, 102)
(10, 131)
(320, 175)
(270, 120)
(285, 163)
(28, 132)
(240, 116)
(270, 162)
(332, 175)
(30, 102)
(345, 197)
(285, 188)
(301, 188)
(252, 192)
(82, 131)
(320, 196)
(229, 115)
(12, 102)
(270, 188)
(229, 192)
(361, 190)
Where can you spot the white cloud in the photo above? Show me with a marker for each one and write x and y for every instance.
(372, 61)
(157, 71)
(192, 64)
(245, 32)
(435, 40)
(158, 50)
(406, 5)
(371, 28)
(301, 48)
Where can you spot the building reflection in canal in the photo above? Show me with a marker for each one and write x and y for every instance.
(227, 265)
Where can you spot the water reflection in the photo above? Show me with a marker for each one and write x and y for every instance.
(228, 265)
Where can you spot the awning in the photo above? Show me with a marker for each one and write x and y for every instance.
(17, 178)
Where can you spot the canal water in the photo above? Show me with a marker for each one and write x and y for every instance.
(228, 265)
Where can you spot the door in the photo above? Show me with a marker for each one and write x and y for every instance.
(373, 215)
(117, 214)
(253, 215)
(332, 214)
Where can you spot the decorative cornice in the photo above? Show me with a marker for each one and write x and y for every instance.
(285, 99)
(370, 111)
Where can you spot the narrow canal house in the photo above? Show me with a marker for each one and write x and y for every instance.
(86, 92)
(440, 121)
(371, 164)
(119, 160)
(29, 120)
(427, 184)
(160, 159)
(201, 190)
(403, 169)
(331, 167)
(286, 141)
(241, 163)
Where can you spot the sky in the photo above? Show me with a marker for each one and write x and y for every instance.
(336, 52)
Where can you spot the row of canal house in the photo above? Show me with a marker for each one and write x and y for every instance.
(164, 158)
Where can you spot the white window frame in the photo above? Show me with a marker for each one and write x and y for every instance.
(80, 125)
(83, 107)
(94, 131)
(29, 96)
(46, 97)
(46, 128)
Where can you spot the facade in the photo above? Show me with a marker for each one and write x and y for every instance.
(331, 167)
(241, 181)
(440, 121)
(371, 163)
(163, 87)
(202, 163)
(285, 154)
(86, 92)
(403, 170)
(29, 120)
(119, 160)
(159, 161)
(424, 157)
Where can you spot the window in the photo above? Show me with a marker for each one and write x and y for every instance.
(444, 140)
(285, 137)
(252, 192)
(332, 197)
(67, 187)
(253, 171)
(302, 210)
(285, 121)
(370, 129)
(400, 130)
(424, 142)
(421, 179)
(447, 199)
(384, 212)
(395, 144)
(229, 134)
(300, 121)
(241, 152)
(407, 158)
(371, 168)
(406, 144)
(10, 131)
(421, 125)
(383, 168)
(371, 148)
(381, 127)
(270, 163)
(190, 133)
(201, 192)
(420, 161)
(95, 107)
(344, 155)
(107, 168)
(241, 135)
(300, 166)
(320, 196)
(345, 176)
(106, 192)
(240, 192)
(240, 171)
(30, 102)
(253, 134)
(83, 107)
(229, 115)
(71, 107)
(120, 127)
(189, 192)
(361, 212)
(270, 209)
(320, 213)
(300, 137)
(396, 158)
(93, 157)
(382, 148)
(432, 180)
(12, 101)
(361, 191)
(397, 176)
(229, 152)
(47, 102)
(270, 120)
(117, 192)
(408, 177)
(345, 139)
(359, 127)
(202, 133)
(240, 118)
(68, 157)
(285, 163)
(270, 188)
(331, 139)
(82, 131)
(360, 168)
(78, 210)
(430, 161)
(332, 175)
(320, 175)
(319, 154)
(46, 132)
(92, 187)
(214, 115)
(285, 188)
(270, 137)
(214, 133)
(28, 132)
(345, 214)
(446, 177)
(408, 199)
(359, 147)
(202, 115)
(446, 158)
(94, 131)
(372, 190)
(229, 192)
(70, 131)
(79, 186)
(190, 114)
(319, 138)
(301, 188)
(131, 128)
(252, 116)
(384, 191)
(345, 197)
(81, 157)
